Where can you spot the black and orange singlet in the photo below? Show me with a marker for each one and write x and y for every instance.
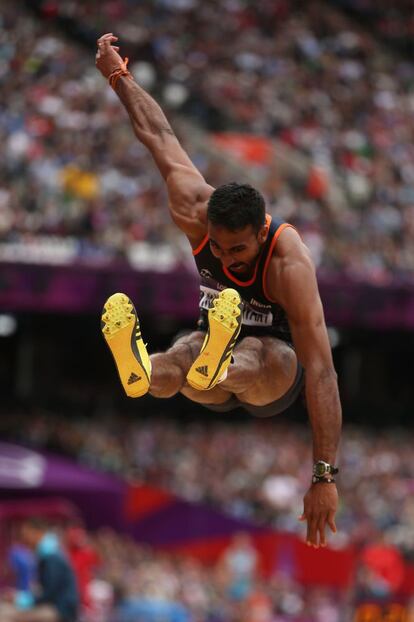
(261, 316)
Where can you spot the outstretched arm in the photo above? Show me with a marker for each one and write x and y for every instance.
(296, 280)
(186, 185)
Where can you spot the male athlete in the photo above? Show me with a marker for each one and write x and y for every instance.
(261, 330)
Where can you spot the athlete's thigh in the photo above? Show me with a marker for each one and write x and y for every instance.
(276, 367)
(193, 342)
(269, 350)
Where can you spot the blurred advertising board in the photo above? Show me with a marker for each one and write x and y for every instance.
(84, 289)
(80, 288)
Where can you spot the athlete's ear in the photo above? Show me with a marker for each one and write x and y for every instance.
(263, 233)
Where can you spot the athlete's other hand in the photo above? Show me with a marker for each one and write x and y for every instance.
(107, 58)
(319, 508)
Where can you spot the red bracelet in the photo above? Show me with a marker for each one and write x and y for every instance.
(120, 71)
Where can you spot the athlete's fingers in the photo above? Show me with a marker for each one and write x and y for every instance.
(106, 41)
(321, 530)
(104, 48)
(98, 54)
(331, 521)
(103, 37)
(303, 518)
(312, 535)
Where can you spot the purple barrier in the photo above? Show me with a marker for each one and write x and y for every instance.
(78, 288)
(102, 498)
(25, 473)
(181, 521)
(350, 303)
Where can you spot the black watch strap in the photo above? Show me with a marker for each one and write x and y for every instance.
(323, 480)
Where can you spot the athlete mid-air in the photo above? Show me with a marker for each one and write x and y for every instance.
(261, 333)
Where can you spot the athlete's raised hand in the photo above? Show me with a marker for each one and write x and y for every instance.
(187, 189)
(107, 57)
(319, 508)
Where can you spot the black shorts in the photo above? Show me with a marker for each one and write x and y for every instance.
(268, 410)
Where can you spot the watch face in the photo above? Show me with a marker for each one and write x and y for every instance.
(320, 469)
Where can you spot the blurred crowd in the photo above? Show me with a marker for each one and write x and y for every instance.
(394, 22)
(258, 471)
(230, 591)
(119, 580)
(69, 167)
(299, 72)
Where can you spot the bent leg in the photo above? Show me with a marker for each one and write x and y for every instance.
(264, 369)
(169, 371)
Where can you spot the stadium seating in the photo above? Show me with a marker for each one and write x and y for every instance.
(310, 78)
(239, 469)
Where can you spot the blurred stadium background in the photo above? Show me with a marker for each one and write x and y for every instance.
(168, 512)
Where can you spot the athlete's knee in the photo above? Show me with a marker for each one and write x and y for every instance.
(166, 377)
(281, 357)
(193, 342)
(169, 369)
(248, 366)
(262, 367)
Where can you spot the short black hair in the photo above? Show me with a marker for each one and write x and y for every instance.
(235, 206)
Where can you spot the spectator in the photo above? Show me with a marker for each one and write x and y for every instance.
(84, 561)
(239, 567)
(57, 599)
(381, 570)
(22, 562)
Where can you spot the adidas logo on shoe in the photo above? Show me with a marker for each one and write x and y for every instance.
(133, 378)
(202, 370)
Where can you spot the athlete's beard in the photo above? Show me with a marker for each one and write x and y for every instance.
(243, 268)
(248, 268)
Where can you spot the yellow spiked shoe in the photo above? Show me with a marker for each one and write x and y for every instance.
(120, 327)
(224, 324)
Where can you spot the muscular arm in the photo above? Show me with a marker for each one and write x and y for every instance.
(293, 284)
(151, 127)
(306, 319)
(187, 189)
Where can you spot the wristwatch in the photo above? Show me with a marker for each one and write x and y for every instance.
(321, 470)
